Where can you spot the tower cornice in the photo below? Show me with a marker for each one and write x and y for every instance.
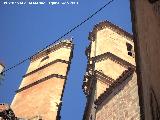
(123, 77)
(40, 68)
(40, 81)
(106, 24)
(61, 44)
(86, 83)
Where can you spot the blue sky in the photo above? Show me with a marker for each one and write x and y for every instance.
(26, 29)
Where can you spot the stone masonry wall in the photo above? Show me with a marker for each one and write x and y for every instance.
(123, 105)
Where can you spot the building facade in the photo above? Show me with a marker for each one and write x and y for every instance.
(40, 93)
(146, 30)
(110, 82)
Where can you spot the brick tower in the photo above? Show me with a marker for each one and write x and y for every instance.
(40, 93)
(110, 82)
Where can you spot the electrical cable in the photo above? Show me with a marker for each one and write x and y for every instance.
(74, 28)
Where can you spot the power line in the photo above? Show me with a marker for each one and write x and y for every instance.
(74, 28)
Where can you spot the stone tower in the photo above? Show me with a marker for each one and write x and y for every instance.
(110, 82)
(40, 93)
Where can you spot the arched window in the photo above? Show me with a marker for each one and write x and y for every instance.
(130, 49)
(43, 61)
(45, 58)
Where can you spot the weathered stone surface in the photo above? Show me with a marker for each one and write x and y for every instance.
(146, 29)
